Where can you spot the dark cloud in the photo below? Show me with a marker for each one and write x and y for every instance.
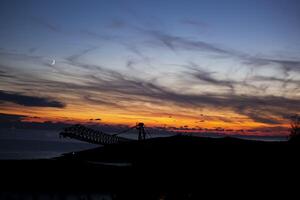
(207, 77)
(5, 118)
(204, 118)
(283, 81)
(130, 64)
(196, 73)
(97, 119)
(99, 101)
(260, 116)
(48, 125)
(138, 52)
(181, 43)
(30, 101)
(286, 66)
(5, 74)
(75, 57)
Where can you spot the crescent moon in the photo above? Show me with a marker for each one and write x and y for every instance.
(53, 62)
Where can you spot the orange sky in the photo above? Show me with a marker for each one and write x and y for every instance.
(182, 120)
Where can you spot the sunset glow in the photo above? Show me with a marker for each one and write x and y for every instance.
(175, 67)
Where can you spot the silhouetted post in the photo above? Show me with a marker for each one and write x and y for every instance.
(141, 129)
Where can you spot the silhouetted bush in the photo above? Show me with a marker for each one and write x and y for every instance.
(295, 126)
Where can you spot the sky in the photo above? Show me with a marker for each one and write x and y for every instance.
(229, 66)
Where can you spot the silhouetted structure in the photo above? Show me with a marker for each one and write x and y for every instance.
(83, 133)
(142, 132)
(295, 127)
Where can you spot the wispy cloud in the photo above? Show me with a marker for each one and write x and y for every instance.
(177, 43)
(265, 109)
(75, 57)
(102, 85)
(180, 43)
(283, 81)
(47, 24)
(5, 74)
(284, 65)
(198, 25)
(207, 78)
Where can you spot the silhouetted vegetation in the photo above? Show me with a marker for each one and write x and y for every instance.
(295, 126)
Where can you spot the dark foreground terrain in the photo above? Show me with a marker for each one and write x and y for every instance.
(178, 167)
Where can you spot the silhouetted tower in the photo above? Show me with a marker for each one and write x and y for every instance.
(142, 134)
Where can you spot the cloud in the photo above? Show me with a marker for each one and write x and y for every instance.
(176, 43)
(99, 101)
(265, 109)
(181, 43)
(44, 23)
(98, 80)
(5, 118)
(30, 101)
(19, 56)
(24, 57)
(5, 74)
(97, 119)
(284, 81)
(207, 77)
(97, 36)
(117, 88)
(269, 107)
(130, 64)
(259, 116)
(198, 25)
(285, 65)
(75, 57)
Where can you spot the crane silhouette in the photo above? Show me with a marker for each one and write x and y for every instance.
(86, 134)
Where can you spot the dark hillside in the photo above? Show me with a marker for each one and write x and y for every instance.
(159, 164)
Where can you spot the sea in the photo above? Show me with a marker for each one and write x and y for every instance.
(27, 144)
(20, 144)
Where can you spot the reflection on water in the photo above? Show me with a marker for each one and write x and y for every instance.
(102, 196)
(36, 144)
(35, 149)
(41, 196)
(28, 155)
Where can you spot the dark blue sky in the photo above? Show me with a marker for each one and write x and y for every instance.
(259, 26)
